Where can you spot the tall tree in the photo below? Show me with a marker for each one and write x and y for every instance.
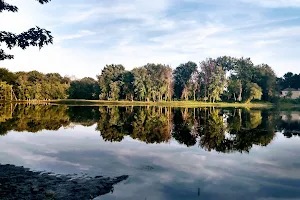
(127, 89)
(234, 88)
(216, 87)
(110, 81)
(182, 76)
(265, 77)
(244, 71)
(141, 84)
(160, 81)
(213, 79)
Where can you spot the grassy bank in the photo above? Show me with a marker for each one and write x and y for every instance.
(163, 103)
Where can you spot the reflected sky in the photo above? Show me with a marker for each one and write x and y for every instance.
(161, 171)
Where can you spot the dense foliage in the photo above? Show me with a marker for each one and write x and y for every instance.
(33, 37)
(32, 85)
(289, 80)
(222, 79)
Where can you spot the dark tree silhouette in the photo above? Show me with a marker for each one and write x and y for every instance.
(33, 37)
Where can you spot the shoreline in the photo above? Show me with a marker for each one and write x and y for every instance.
(192, 104)
(18, 182)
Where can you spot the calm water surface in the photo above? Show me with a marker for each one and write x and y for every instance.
(168, 153)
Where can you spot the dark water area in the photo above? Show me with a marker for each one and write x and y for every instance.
(167, 153)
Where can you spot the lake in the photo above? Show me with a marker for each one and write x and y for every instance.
(167, 153)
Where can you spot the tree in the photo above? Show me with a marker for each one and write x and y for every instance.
(33, 37)
(182, 76)
(234, 88)
(194, 84)
(244, 70)
(213, 79)
(226, 62)
(86, 88)
(109, 79)
(265, 77)
(289, 80)
(217, 84)
(289, 94)
(127, 89)
(253, 91)
(159, 84)
(141, 84)
(7, 76)
(38, 86)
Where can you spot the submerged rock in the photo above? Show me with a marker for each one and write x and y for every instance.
(20, 183)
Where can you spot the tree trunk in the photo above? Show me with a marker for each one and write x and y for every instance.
(241, 90)
(205, 93)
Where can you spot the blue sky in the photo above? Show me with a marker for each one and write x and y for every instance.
(91, 33)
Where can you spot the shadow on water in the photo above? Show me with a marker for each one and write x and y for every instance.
(222, 130)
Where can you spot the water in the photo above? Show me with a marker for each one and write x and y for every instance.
(168, 153)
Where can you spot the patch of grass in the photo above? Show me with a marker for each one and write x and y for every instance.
(163, 103)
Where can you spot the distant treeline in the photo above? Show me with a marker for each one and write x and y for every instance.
(221, 79)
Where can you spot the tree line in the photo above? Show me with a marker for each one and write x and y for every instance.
(222, 79)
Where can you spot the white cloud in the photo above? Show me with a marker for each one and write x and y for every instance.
(88, 36)
(80, 34)
(274, 3)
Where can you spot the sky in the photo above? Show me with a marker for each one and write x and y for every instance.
(88, 34)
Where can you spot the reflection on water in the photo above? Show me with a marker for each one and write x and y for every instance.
(223, 130)
(168, 153)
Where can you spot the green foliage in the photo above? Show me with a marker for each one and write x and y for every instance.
(183, 82)
(7, 76)
(253, 91)
(86, 88)
(234, 89)
(289, 94)
(127, 88)
(110, 81)
(222, 79)
(152, 82)
(33, 37)
(213, 78)
(141, 84)
(265, 77)
(289, 80)
(217, 84)
(5, 91)
(37, 86)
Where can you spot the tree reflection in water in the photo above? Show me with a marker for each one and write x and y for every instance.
(221, 130)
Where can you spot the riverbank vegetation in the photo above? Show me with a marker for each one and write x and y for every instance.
(224, 79)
